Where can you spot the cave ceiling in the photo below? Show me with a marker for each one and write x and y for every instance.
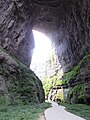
(45, 15)
(65, 22)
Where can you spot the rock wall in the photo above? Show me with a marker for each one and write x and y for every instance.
(66, 22)
(73, 29)
(78, 80)
(16, 29)
(85, 76)
(18, 84)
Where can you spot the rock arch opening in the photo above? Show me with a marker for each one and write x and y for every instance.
(42, 51)
(67, 22)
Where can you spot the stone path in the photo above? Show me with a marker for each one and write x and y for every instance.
(57, 112)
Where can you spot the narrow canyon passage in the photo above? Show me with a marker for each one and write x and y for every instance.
(67, 71)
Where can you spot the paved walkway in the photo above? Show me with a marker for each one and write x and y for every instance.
(57, 112)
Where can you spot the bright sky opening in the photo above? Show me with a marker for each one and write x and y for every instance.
(42, 51)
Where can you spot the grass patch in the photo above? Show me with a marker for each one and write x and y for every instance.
(81, 110)
(22, 112)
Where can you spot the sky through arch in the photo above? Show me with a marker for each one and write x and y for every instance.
(43, 49)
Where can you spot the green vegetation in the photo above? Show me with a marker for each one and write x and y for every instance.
(25, 92)
(81, 110)
(76, 94)
(22, 84)
(59, 96)
(50, 83)
(69, 75)
(75, 71)
(20, 111)
(53, 75)
(85, 58)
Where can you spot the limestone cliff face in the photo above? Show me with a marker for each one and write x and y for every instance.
(16, 29)
(73, 32)
(17, 82)
(66, 22)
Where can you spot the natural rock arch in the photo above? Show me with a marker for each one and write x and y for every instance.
(67, 22)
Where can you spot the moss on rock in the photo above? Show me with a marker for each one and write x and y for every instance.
(71, 74)
(76, 94)
(79, 81)
(75, 72)
(21, 83)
